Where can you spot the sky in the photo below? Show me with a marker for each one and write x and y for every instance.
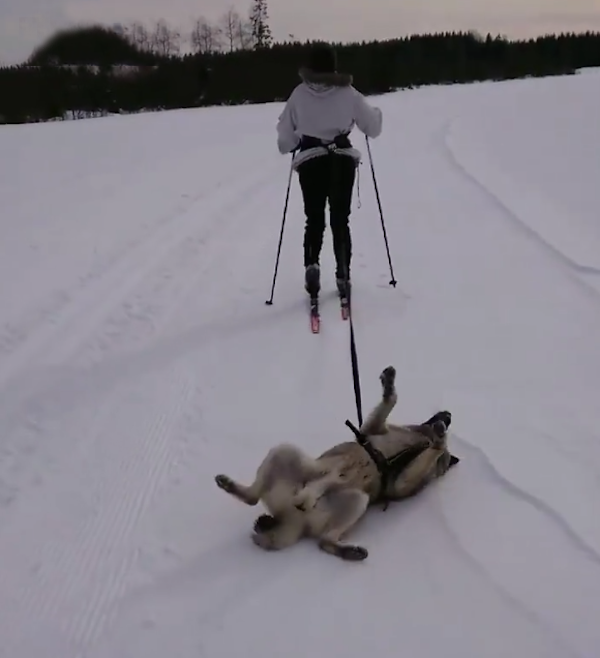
(24, 24)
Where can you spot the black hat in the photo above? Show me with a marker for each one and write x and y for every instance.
(322, 59)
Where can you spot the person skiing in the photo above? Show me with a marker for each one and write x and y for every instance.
(315, 125)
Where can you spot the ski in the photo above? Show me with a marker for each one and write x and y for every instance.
(315, 316)
(345, 307)
(315, 313)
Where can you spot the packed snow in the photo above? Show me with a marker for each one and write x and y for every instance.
(138, 360)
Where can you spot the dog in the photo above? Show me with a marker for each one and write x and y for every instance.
(324, 498)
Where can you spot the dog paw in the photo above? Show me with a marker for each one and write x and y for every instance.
(226, 483)
(265, 540)
(265, 523)
(352, 553)
(303, 501)
(388, 379)
(348, 552)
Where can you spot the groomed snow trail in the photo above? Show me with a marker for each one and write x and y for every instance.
(137, 360)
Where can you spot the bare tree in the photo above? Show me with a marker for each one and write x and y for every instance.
(205, 38)
(139, 36)
(245, 34)
(166, 41)
(230, 27)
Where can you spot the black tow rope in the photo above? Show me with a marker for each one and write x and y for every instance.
(354, 356)
(378, 459)
(341, 142)
(383, 465)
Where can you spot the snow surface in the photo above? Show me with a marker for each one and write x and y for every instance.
(138, 359)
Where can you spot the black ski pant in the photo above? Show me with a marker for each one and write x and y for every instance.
(328, 178)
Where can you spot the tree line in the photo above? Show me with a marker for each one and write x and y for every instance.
(232, 31)
(99, 69)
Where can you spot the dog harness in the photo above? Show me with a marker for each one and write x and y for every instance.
(386, 468)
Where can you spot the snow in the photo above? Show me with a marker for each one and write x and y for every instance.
(138, 360)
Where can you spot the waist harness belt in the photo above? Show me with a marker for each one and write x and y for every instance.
(340, 142)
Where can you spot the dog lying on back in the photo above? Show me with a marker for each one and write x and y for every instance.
(324, 498)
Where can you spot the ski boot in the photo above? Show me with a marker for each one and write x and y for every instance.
(312, 280)
(312, 284)
(343, 288)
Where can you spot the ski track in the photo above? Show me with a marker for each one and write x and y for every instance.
(453, 154)
(541, 506)
(123, 393)
(529, 614)
(124, 307)
(507, 590)
(127, 303)
(573, 270)
(116, 279)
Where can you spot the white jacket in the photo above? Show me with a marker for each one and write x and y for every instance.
(324, 106)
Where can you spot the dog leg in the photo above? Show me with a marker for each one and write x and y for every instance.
(283, 535)
(376, 421)
(283, 462)
(344, 508)
(308, 497)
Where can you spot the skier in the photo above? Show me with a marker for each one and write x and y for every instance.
(315, 124)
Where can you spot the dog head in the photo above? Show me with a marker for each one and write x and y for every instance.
(436, 428)
(440, 422)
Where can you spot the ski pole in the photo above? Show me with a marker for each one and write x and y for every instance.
(269, 301)
(387, 247)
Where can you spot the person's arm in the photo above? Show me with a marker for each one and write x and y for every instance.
(287, 139)
(369, 119)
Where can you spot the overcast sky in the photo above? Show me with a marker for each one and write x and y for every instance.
(26, 23)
